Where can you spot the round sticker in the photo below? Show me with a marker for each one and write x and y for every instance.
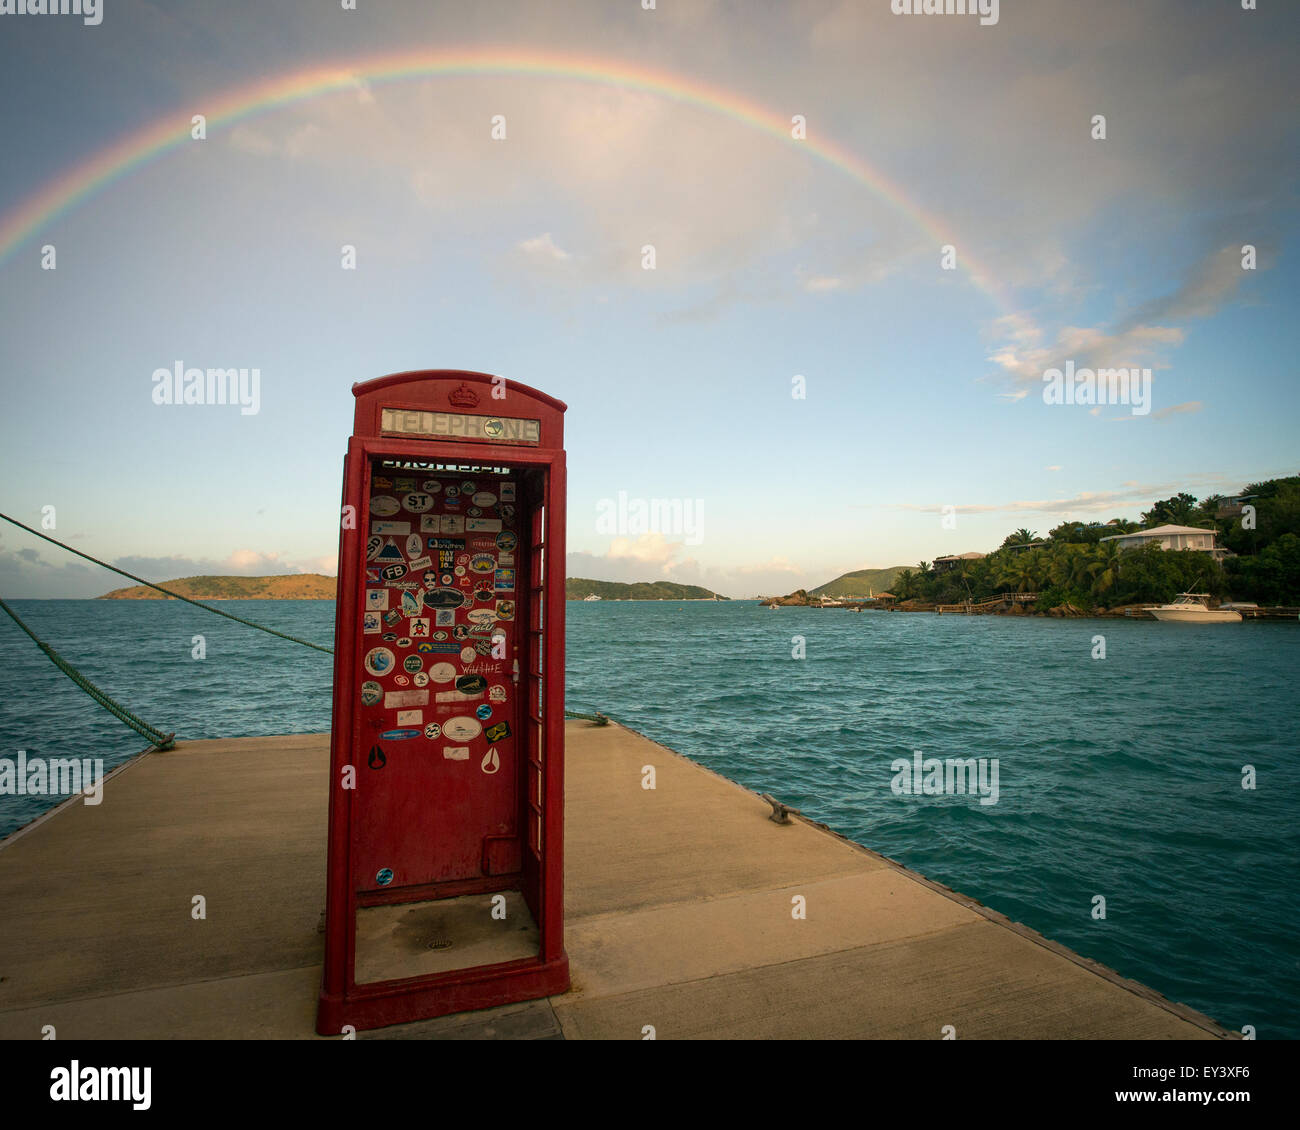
(462, 729)
(460, 571)
(420, 679)
(380, 661)
(439, 635)
(473, 512)
(484, 712)
(384, 877)
(484, 498)
(506, 541)
(433, 486)
(460, 631)
(468, 655)
(417, 502)
(401, 680)
(413, 545)
(497, 693)
(371, 693)
(413, 663)
(494, 429)
(442, 672)
(463, 559)
(453, 492)
(383, 505)
(446, 577)
(432, 730)
(374, 544)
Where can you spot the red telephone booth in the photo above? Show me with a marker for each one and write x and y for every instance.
(445, 882)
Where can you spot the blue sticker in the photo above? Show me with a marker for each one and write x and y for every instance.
(399, 735)
(384, 877)
(484, 712)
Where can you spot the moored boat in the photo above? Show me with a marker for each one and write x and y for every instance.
(1194, 608)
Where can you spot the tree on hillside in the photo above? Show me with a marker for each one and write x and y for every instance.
(1176, 511)
(1020, 537)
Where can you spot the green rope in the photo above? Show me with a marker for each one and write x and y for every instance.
(157, 738)
(599, 719)
(167, 592)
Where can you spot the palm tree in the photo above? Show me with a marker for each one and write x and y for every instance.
(1020, 537)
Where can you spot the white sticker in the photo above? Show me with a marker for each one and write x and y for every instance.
(373, 546)
(433, 486)
(444, 617)
(481, 616)
(412, 602)
(418, 502)
(395, 700)
(390, 527)
(497, 693)
(380, 661)
(484, 498)
(483, 526)
(410, 717)
(491, 762)
(432, 730)
(385, 505)
(505, 558)
(467, 655)
(442, 672)
(430, 524)
(420, 563)
(414, 546)
(419, 628)
(452, 524)
(376, 600)
(371, 623)
(456, 752)
(420, 679)
(462, 728)
(457, 696)
(507, 492)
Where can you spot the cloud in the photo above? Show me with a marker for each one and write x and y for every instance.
(543, 247)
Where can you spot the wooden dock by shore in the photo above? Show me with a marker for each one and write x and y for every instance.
(679, 906)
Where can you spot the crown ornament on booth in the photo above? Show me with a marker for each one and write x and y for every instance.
(463, 397)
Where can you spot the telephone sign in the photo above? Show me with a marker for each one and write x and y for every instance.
(445, 873)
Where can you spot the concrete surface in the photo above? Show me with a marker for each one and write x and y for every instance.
(678, 904)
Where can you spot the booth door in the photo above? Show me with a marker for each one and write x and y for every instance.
(435, 744)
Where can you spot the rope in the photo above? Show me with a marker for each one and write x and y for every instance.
(599, 719)
(166, 592)
(157, 738)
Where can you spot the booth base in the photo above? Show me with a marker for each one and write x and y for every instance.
(414, 939)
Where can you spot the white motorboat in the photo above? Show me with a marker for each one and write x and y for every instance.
(1193, 608)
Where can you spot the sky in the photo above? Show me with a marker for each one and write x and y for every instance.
(873, 236)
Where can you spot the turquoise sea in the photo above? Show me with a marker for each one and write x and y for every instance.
(1119, 777)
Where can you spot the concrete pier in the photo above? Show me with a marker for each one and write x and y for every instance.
(678, 917)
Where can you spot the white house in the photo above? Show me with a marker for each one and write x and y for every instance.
(1172, 537)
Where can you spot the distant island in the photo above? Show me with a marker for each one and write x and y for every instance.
(579, 588)
(861, 582)
(293, 586)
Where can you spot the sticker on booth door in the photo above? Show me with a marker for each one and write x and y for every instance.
(505, 559)
(403, 485)
(376, 600)
(445, 599)
(371, 623)
(430, 523)
(505, 580)
(374, 543)
(382, 482)
(372, 576)
(394, 572)
(388, 552)
(421, 563)
(399, 735)
(376, 759)
(469, 486)
(444, 617)
(405, 641)
(505, 609)
(391, 617)
(456, 752)
(507, 492)
(482, 563)
(470, 684)
(507, 541)
(410, 717)
(371, 693)
(482, 616)
(491, 762)
(380, 661)
(420, 679)
(467, 654)
(483, 713)
(404, 700)
(401, 680)
(433, 486)
(390, 528)
(412, 603)
(497, 732)
(462, 728)
(484, 498)
(483, 525)
(419, 628)
(384, 505)
(432, 731)
(442, 672)
(417, 502)
(457, 696)
(384, 876)
(414, 545)
(452, 524)
(473, 512)
(412, 663)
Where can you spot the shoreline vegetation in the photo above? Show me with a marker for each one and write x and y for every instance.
(1074, 572)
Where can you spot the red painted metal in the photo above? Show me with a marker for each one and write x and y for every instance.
(469, 804)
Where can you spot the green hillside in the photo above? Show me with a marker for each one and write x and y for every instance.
(579, 588)
(861, 582)
(293, 586)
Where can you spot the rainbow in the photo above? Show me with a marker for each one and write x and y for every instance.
(64, 193)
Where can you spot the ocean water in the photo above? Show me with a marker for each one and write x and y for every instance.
(1118, 777)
